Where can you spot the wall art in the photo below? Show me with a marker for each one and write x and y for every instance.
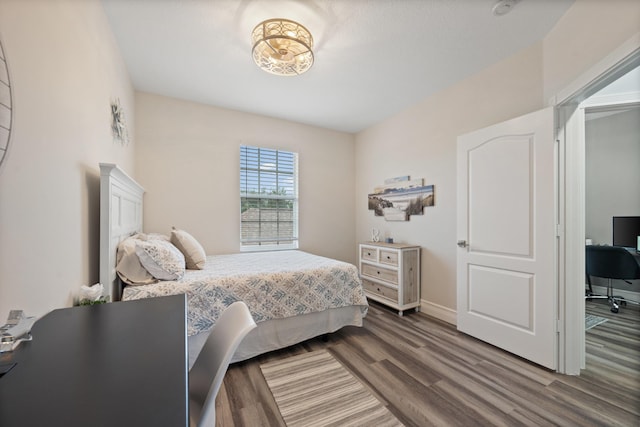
(399, 198)
(118, 124)
(6, 106)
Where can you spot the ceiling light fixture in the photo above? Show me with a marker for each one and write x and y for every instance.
(502, 7)
(282, 47)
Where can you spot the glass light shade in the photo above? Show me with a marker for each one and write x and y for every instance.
(282, 47)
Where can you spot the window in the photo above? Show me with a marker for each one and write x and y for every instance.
(268, 199)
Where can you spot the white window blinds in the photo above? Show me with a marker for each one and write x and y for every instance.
(268, 199)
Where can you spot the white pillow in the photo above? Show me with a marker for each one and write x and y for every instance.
(161, 259)
(152, 236)
(128, 264)
(192, 250)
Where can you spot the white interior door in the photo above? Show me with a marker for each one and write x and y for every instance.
(507, 287)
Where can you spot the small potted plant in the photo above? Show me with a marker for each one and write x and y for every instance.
(91, 295)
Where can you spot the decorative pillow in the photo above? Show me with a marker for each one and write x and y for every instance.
(153, 236)
(192, 250)
(128, 264)
(163, 260)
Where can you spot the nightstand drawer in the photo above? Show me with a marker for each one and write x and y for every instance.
(389, 257)
(380, 273)
(369, 254)
(381, 290)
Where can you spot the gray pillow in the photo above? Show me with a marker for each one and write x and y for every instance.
(161, 259)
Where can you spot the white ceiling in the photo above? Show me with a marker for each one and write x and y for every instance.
(373, 58)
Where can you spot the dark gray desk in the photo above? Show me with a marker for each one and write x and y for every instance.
(635, 253)
(119, 364)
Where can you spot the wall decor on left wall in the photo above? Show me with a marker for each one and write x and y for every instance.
(6, 106)
(118, 123)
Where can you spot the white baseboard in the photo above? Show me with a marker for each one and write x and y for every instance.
(449, 315)
(440, 312)
(632, 296)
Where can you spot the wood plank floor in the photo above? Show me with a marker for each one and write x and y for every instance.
(427, 373)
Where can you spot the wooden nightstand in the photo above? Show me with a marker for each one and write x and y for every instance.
(390, 274)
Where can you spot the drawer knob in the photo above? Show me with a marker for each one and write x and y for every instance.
(388, 257)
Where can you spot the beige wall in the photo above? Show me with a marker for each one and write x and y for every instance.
(421, 141)
(187, 159)
(65, 68)
(588, 32)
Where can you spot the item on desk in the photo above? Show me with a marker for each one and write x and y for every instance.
(13, 332)
(90, 295)
(375, 235)
(389, 240)
(14, 317)
(6, 346)
(589, 242)
(12, 335)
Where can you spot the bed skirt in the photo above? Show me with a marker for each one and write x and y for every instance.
(275, 334)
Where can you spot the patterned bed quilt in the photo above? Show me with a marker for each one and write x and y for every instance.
(274, 285)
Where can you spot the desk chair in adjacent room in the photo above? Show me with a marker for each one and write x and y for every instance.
(207, 373)
(611, 262)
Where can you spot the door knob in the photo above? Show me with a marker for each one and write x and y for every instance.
(462, 243)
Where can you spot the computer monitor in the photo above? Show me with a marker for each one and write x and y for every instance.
(626, 230)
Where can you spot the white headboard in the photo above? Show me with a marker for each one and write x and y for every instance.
(120, 217)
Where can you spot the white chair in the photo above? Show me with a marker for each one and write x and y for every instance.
(207, 373)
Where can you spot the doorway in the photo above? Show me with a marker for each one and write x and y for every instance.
(571, 137)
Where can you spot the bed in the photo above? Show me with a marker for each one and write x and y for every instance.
(293, 295)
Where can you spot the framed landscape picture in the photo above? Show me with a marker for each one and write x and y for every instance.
(397, 200)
